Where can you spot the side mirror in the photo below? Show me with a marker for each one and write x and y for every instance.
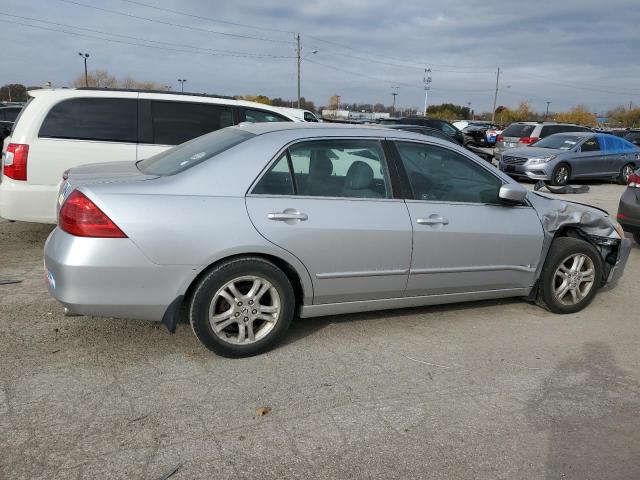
(513, 193)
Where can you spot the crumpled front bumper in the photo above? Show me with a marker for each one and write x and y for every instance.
(623, 255)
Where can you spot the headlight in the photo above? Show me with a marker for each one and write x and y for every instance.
(541, 160)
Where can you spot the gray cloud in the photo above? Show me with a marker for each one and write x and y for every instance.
(570, 52)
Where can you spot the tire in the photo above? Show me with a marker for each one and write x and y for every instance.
(625, 171)
(236, 313)
(563, 252)
(558, 179)
(636, 237)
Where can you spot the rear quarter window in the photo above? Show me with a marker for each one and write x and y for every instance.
(103, 119)
(518, 130)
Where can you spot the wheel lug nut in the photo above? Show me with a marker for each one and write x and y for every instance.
(237, 314)
(254, 311)
(246, 319)
(239, 304)
(250, 302)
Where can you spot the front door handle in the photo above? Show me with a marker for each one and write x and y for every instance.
(288, 215)
(433, 220)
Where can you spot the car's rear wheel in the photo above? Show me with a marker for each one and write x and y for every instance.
(625, 173)
(561, 174)
(571, 275)
(242, 307)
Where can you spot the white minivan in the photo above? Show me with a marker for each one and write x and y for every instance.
(62, 128)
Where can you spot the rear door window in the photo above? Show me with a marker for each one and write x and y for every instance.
(518, 130)
(177, 122)
(102, 119)
(10, 114)
(551, 129)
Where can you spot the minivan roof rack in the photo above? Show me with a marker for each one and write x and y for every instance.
(142, 90)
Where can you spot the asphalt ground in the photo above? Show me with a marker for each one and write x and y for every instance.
(485, 390)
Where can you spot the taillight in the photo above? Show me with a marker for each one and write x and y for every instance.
(81, 217)
(529, 140)
(15, 161)
(499, 138)
(634, 180)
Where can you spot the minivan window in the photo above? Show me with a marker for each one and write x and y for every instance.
(310, 117)
(10, 114)
(193, 152)
(174, 123)
(260, 116)
(518, 130)
(102, 119)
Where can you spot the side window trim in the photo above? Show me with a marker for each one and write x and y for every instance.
(291, 173)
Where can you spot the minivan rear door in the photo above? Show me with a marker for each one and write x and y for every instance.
(164, 123)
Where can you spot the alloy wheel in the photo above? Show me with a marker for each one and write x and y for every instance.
(244, 310)
(562, 175)
(627, 170)
(574, 279)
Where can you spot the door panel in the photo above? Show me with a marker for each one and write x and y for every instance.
(590, 160)
(354, 249)
(466, 248)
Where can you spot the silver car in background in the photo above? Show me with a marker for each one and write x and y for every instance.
(567, 156)
(241, 229)
(522, 134)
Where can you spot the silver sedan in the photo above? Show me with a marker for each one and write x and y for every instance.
(241, 229)
(566, 156)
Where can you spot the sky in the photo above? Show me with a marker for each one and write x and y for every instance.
(568, 52)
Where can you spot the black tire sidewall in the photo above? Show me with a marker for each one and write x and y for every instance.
(211, 283)
(620, 178)
(560, 249)
(555, 170)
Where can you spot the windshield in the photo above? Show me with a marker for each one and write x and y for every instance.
(193, 152)
(558, 142)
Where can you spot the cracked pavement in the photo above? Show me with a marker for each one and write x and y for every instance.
(485, 390)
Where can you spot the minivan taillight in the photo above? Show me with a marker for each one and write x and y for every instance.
(634, 180)
(81, 217)
(529, 140)
(15, 161)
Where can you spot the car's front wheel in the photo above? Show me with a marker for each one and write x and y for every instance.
(561, 174)
(242, 307)
(571, 275)
(625, 173)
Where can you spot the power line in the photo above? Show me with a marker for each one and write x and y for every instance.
(170, 44)
(209, 19)
(13, 22)
(179, 25)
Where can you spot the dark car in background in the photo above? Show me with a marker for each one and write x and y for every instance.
(8, 115)
(436, 123)
(629, 207)
(477, 132)
(434, 132)
(633, 136)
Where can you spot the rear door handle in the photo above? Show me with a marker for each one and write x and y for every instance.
(433, 220)
(288, 215)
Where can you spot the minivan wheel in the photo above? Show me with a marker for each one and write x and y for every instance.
(625, 173)
(242, 307)
(561, 175)
(571, 275)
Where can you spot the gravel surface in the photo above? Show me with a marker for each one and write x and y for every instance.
(485, 390)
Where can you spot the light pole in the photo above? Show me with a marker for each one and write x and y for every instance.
(182, 80)
(395, 94)
(427, 86)
(495, 97)
(547, 112)
(86, 76)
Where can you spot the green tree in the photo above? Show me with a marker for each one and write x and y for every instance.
(13, 92)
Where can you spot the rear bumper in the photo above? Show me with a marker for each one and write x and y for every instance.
(110, 277)
(26, 202)
(629, 210)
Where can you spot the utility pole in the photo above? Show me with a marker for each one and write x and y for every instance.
(469, 107)
(427, 86)
(298, 51)
(395, 94)
(9, 88)
(182, 80)
(86, 75)
(495, 97)
(630, 104)
(547, 112)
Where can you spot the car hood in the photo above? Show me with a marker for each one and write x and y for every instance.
(532, 152)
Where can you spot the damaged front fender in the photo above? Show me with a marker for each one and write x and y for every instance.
(564, 218)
